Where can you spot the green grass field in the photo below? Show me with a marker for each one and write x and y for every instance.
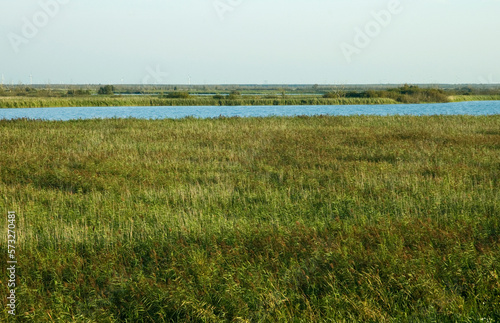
(338, 219)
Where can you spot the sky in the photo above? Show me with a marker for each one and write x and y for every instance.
(249, 41)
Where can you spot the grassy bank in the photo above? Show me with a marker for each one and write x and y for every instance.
(106, 101)
(103, 101)
(461, 98)
(229, 95)
(261, 220)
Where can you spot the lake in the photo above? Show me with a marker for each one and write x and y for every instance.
(459, 108)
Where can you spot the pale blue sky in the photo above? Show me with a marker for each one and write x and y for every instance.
(250, 41)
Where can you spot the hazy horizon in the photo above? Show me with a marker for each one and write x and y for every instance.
(250, 42)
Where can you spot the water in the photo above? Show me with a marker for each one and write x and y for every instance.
(460, 108)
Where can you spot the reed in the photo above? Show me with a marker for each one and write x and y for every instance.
(99, 101)
(461, 98)
(341, 219)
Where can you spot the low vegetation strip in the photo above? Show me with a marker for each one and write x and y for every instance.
(461, 98)
(341, 219)
(98, 101)
(109, 95)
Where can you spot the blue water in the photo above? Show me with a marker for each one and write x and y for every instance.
(460, 108)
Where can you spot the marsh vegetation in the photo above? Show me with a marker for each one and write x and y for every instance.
(347, 219)
(110, 95)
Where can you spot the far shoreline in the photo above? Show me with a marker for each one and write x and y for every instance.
(151, 101)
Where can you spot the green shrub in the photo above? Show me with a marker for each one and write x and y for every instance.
(106, 90)
(178, 95)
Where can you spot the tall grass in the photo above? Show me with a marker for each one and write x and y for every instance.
(341, 219)
(460, 98)
(100, 101)
(105, 101)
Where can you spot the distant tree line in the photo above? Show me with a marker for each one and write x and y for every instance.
(404, 94)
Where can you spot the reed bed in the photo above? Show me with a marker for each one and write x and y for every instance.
(461, 98)
(100, 101)
(304, 219)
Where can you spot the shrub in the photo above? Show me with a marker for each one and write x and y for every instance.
(106, 90)
(330, 95)
(178, 95)
(234, 95)
(77, 92)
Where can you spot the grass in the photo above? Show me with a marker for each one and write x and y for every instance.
(106, 101)
(22, 96)
(34, 98)
(340, 219)
(461, 98)
(103, 101)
